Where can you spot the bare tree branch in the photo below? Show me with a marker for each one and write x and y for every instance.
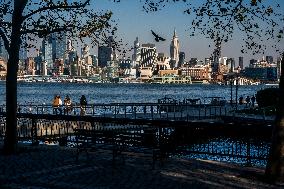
(45, 31)
(5, 39)
(53, 7)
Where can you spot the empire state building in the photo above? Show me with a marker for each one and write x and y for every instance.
(174, 50)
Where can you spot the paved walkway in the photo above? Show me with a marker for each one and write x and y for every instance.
(55, 167)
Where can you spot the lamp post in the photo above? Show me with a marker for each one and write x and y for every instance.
(237, 86)
(231, 85)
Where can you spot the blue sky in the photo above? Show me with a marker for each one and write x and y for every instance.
(134, 22)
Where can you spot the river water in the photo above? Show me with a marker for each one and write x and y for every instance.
(39, 93)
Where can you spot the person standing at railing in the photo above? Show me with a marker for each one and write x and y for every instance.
(241, 100)
(83, 104)
(67, 105)
(57, 103)
(247, 101)
(19, 109)
(252, 100)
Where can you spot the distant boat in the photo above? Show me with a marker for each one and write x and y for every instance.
(255, 83)
(272, 84)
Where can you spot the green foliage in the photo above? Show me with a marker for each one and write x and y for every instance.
(268, 97)
(217, 20)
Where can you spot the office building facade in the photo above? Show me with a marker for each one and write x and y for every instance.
(148, 55)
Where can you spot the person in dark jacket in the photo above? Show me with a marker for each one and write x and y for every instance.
(252, 100)
(83, 104)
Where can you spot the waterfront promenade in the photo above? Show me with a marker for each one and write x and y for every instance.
(55, 167)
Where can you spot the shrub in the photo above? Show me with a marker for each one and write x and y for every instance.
(268, 97)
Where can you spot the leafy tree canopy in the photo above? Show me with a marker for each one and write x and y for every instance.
(43, 17)
(218, 20)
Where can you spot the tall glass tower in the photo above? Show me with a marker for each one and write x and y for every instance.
(23, 53)
(54, 47)
(47, 51)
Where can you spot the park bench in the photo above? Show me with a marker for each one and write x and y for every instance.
(121, 142)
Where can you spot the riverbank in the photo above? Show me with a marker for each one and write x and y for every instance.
(55, 167)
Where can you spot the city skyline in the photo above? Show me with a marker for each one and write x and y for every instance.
(134, 22)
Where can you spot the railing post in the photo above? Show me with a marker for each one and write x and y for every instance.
(181, 110)
(167, 111)
(187, 118)
(248, 163)
(152, 113)
(175, 111)
(30, 109)
(42, 108)
(104, 109)
(34, 132)
(124, 111)
(134, 108)
(199, 109)
(263, 113)
(93, 109)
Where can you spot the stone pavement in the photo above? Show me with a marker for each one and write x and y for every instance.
(55, 167)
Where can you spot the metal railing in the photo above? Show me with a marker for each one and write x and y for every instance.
(167, 111)
(247, 145)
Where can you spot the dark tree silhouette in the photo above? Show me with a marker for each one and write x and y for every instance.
(262, 25)
(275, 165)
(35, 19)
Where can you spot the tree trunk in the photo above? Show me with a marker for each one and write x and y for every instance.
(275, 165)
(10, 141)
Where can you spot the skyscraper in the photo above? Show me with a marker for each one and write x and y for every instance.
(136, 57)
(54, 47)
(148, 55)
(38, 62)
(3, 52)
(216, 57)
(241, 62)
(59, 45)
(104, 56)
(231, 64)
(174, 50)
(106, 53)
(181, 59)
(112, 45)
(23, 53)
(269, 59)
(47, 52)
(278, 63)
